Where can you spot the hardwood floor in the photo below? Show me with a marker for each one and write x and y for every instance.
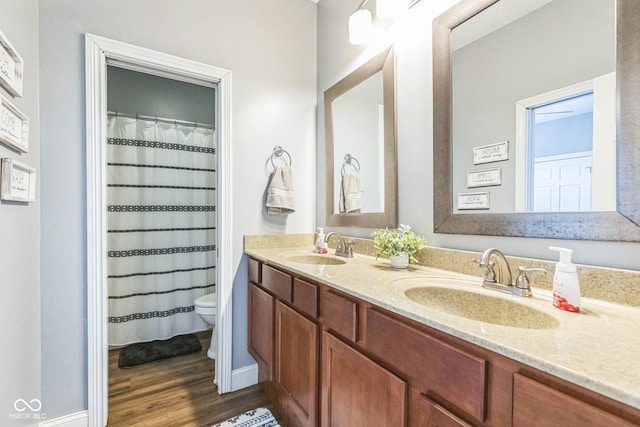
(175, 392)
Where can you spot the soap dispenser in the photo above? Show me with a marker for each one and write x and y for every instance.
(321, 245)
(566, 287)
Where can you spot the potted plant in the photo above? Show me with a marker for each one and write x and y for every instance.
(400, 245)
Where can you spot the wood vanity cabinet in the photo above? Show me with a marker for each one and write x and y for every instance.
(281, 311)
(329, 359)
(356, 391)
(260, 334)
(536, 403)
(296, 366)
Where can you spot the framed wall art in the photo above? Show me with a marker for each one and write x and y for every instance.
(14, 126)
(11, 67)
(17, 181)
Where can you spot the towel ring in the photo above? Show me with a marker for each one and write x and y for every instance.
(278, 151)
(348, 160)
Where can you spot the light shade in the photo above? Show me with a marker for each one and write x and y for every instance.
(390, 8)
(360, 26)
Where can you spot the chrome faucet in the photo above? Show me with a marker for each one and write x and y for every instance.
(342, 248)
(502, 280)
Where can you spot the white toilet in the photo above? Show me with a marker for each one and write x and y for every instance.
(206, 308)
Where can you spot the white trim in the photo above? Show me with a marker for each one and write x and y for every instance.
(522, 134)
(244, 377)
(77, 419)
(99, 51)
(604, 143)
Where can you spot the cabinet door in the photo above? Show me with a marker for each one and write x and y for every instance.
(425, 412)
(536, 404)
(357, 391)
(296, 367)
(260, 309)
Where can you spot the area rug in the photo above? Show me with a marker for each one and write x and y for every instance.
(260, 417)
(145, 352)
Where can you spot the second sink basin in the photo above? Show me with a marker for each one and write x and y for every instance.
(315, 259)
(481, 307)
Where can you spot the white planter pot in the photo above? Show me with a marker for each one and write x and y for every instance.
(399, 261)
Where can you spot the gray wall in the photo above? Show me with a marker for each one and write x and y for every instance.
(412, 40)
(20, 235)
(272, 56)
(131, 92)
(562, 136)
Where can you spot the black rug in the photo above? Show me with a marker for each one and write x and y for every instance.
(145, 352)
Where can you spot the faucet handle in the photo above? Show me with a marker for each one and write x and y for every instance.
(489, 274)
(522, 281)
(349, 249)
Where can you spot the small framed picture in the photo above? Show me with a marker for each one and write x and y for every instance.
(11, 67)
(14, 126)
(18, 181)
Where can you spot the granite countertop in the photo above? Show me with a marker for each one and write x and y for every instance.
(595, 348)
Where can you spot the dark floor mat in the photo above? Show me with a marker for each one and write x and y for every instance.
(145, 352)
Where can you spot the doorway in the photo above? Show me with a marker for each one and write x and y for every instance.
(560, 157)
(161, 205)
(598, 105)
(100, 52)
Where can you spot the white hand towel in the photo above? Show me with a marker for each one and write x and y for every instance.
(351, 193)
(280, 196)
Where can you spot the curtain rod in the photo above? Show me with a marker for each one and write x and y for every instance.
(162, 119)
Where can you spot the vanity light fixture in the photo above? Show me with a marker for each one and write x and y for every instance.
(360, 22)
(360, 26)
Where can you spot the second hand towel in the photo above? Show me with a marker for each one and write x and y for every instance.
(280, 196)
(351, 193)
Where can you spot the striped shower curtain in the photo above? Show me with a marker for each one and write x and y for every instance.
(161, 246)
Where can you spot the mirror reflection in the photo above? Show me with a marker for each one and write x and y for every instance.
(544, 115)
(358, 138)
(360, 143)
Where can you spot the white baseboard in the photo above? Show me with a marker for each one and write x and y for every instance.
(244, 377)
(77, 419)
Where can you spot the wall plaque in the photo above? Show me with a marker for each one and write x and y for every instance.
(468, 201)
(491, 153)
(18, 182)
(11, 67)
(484, 177)
(14, 126)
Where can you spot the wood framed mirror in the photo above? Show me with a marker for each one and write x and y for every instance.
(619, 225)
(360, 141)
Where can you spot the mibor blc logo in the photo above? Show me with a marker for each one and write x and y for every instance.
(27, 410)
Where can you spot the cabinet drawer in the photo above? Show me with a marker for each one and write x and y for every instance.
(536, 404)
(305, 297)
(254, 271)
(340, 314)
(436, 368)
(277, 282)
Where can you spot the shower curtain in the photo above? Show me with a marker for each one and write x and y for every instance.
(161, 245)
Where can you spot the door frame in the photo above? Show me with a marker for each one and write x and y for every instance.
(100, 51)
